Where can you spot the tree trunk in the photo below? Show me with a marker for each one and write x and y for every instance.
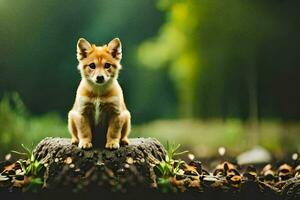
(69, 167)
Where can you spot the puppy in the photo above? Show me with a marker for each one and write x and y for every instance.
(99, 94)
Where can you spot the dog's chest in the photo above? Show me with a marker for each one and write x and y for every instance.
(97, 108)
(98, 111)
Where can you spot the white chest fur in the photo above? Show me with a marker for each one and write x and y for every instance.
(98, 110)
(99, 106)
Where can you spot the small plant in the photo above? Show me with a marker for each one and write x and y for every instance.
(31, 168)
(169, 167)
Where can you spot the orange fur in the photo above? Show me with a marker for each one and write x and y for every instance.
(99, 92)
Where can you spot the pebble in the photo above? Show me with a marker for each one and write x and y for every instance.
(221, 151)
(120, 171)
(180, 172)
(8, 156)
(295, 156)
(109, 172)
(197, 164)
(251, 176)
(68, 160)
(297, 171)
(285, 172)
(209, 179)
(191, 173)
(56, 160)
(19, 172)
(268, 173)
(129, 160)
(100, 163)
(257, 155)
(3, 178)
(191, 156)
(235, 181)
(72, 165)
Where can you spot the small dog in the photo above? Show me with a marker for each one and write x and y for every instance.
(99, 93)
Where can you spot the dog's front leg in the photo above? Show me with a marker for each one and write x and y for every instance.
(84, 132)
(114, 132)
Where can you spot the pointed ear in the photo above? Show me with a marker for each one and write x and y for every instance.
(115, 48)
(83, 47)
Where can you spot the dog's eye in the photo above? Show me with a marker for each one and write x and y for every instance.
(92, 65)
(106, 65)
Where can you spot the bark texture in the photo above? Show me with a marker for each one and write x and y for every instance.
(69, 167)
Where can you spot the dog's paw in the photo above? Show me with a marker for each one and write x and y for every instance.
(124, 141)
(85, 145)
(112, 145)
(74, 141)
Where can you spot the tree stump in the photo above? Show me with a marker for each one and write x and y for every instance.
(68, 167)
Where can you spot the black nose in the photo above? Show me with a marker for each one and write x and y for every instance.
(100, 79)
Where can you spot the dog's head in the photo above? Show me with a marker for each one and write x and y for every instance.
(99, 64)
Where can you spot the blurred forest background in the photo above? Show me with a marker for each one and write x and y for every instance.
(203, 73)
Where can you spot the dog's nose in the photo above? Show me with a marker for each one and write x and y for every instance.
(100, 79)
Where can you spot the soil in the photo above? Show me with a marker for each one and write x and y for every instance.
(130, 172)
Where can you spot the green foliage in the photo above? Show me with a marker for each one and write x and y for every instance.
(32, 169)
(48, 71)
(31, 166)
(204, 137)
(205, 55)
(216, 53)
(172, 152)
(169, 167)
(17, 123)
(34, 184)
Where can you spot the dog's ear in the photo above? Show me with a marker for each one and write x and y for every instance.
(115, 48)
(83, 47)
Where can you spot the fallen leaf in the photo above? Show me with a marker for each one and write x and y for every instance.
(9, 168)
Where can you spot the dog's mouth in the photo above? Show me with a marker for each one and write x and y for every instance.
(100, 82)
